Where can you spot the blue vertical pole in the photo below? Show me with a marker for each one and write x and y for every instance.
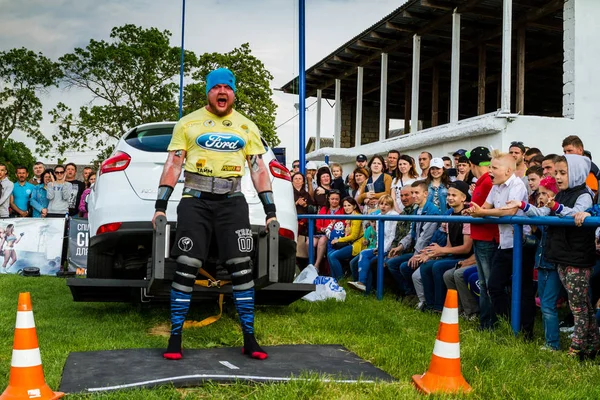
(311, 233)
(302, 89)
(517, 278)
(181, 66)
(380, 250)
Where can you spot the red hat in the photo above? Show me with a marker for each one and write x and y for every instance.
(548, 182)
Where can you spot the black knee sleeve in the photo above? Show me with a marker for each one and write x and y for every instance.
(240, 270)
(185, 274)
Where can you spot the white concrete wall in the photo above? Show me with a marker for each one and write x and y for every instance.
(441, 140)
(486, 130)
(545, 133)
(587, 74)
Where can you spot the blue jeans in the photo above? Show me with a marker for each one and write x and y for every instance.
(335, 261)
(407, 273)
(354, 267)
(432, 276)
(365, 275)
(549, 289)
(500, 279)
(393, 265)
(484, 254)
(364, 264)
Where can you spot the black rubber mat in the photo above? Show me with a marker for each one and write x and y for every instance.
(121, 369)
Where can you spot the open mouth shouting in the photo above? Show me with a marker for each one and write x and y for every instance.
(222, 101)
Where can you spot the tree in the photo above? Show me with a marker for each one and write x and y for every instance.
(253, 97)
(23, 74)
(15, 154)
(132, 80)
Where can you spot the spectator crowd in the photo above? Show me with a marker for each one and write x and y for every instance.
(50, 192)
(560, 264)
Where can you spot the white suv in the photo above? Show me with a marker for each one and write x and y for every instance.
(121, 205)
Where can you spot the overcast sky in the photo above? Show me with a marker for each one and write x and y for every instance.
(56, 27)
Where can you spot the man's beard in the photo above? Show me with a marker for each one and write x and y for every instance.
(218, 112)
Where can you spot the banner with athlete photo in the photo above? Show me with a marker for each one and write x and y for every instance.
(79, 236)
(31, 242)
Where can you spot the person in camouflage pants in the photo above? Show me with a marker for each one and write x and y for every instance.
(577, 282)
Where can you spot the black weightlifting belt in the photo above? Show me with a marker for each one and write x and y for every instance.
(211, 184)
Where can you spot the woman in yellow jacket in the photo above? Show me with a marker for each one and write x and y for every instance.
(349, 245)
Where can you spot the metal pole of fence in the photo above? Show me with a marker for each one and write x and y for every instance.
(311, 233)
(302, 85)
(182, 59)
(517, 278)
(380, 250)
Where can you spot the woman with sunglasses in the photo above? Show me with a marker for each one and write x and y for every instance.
(39, 196)
(59, 193)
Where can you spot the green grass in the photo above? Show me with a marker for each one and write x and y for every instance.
(389, 334)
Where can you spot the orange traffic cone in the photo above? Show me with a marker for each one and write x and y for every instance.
(26, 373)
(444, 373)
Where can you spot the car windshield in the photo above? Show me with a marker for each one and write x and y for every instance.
(152, 139)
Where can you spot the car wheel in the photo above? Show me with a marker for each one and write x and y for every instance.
(287, 269)
(99, 265)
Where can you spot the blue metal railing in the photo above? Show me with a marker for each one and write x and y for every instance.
(302, 84)
(517, 223)
(181, 59)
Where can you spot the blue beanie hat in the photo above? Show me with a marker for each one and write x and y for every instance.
(220, 76)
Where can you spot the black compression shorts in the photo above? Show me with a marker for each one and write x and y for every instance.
(226, 218)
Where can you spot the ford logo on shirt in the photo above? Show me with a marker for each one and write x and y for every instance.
(220, 142)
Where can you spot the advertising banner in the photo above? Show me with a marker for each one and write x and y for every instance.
(79, 237)
(31, 242)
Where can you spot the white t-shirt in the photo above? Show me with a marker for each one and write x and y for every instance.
(512, 189)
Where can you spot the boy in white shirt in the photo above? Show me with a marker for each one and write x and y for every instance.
(508, 187)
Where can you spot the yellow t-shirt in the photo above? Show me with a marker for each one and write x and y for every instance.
(216, 146)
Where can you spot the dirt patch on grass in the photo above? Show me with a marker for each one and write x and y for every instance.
(160, 330)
